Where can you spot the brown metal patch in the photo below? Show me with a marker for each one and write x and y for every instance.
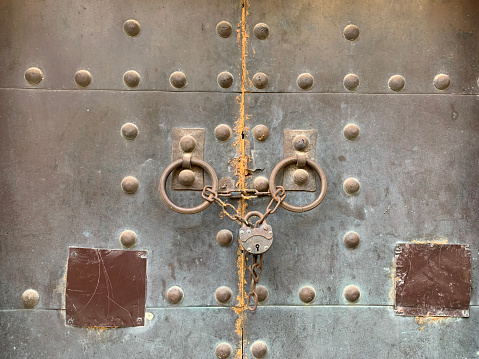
(433, 279)
(105, 288)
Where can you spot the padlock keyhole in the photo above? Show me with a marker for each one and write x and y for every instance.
(257, 247)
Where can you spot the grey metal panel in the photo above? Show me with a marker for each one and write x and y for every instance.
(63, 37)
(417, 41)
(63, 159)
(360, 332)
(416, 159)
(171, 333)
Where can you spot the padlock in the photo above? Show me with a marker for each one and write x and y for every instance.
(258, 239)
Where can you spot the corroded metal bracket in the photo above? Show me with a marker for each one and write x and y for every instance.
(188, 142)
(299, 142)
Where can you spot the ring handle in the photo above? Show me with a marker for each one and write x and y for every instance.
(187, 210)
(310, 163)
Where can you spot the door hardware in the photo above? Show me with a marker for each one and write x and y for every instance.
(254, 239)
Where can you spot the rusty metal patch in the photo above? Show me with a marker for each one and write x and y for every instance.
(177, 152)
(105, 288)
(433, 279)
(289, 150)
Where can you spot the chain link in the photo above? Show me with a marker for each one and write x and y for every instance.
(255, 270)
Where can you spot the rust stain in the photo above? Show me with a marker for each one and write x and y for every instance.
(240, 164)
(422, 322)
(438, 240)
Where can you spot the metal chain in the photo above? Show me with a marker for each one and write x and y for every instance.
(255, 270)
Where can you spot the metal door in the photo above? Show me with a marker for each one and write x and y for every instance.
(95, 97)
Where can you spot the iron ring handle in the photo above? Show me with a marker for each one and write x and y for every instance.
(187, 210)
(310, 163)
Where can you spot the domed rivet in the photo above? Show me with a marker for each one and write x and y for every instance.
(261, 184)
(351, 131)
(260, 80)
(352, 293)
(129, 131)
(187, 143)
(223, 350)
(223, 132)
(351, 239)
(224, 29)
(261, 31)
(223, 294)
(131, 78)
(305, 81)
(442, 81)
(397, 83)
(131, 27)
(307, 294)
(128, 238)
(83, 78)
(260, 132)
(262, 292)
(224, 237)
(186, 177)
(351, 186)
(30, 298)
(351, 32)
(259, 349)
(130, 184)
(33, 75)
(351, 82)
(178, 79)
(225, 79)
(300, 176)
(301, 142)
(174, 295)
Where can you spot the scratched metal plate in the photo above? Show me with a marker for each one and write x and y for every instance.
(433, 279)
(417, 42)
(105, 288)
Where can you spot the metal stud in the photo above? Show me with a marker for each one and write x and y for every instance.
(351, 32)
(351, 131)
(130, 184)
(174, 295)
(225, 79)
(305, 81)
(301, 143)
(223, 294)
(300, 176)
(262, 292)
(186, 177)
(352, 293)
(260, 132)
(128, 238)
(259, 349)
(224, 29)
(351, 185)
(351, 82)
(224, 237)
(260, 80)
(83, 78)
(261, 31)
(33, 75)
(187, 143)
(442, 82)
(30, 298)
(178, 79)
(307, 294)
(396, 83)
(131, 78)
(223, 350)
(129, 131)
(261, 184)
(131, 27)
(223, 132)
(351, 239)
